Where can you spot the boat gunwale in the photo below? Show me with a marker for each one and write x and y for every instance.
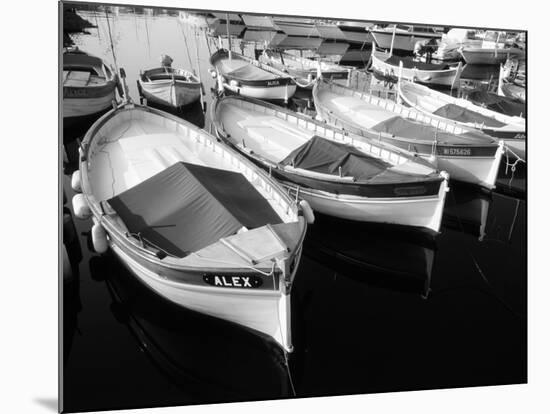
(283, 79)
(362, 130)
(130, 243)
(371, 140)
(195, 82)
(283, 173)
(450, 71)
(510, 121)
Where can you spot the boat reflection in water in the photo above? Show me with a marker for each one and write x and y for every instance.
(467, 209)
(383, 256)
(70, 290)
(209, 359)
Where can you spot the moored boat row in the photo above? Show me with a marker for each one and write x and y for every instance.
(224, 235)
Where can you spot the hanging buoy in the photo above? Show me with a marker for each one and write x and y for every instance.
(308, 212)
(80, 207)
(99, 238)
(75, 181)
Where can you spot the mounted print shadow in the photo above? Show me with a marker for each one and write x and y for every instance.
(261, 207)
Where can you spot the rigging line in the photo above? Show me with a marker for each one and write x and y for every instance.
(97, 25)
(148, 41)
(288, 370)
(135, 22)
(111, 40)
(186, 46)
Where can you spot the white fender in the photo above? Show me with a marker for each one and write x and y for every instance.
(80, 207)
(75, 181)
(308, 211)
(99, 238)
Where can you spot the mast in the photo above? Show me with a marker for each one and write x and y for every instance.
(228, 35)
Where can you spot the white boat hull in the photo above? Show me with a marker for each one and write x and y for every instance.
(419, 211)
(480, 171)
(267, 312)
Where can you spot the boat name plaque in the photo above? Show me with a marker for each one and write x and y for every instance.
(462, 152)
(245, 282)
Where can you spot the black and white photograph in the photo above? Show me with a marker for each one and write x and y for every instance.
(277, 207)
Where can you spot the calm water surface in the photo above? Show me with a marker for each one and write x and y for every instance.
(374, 309)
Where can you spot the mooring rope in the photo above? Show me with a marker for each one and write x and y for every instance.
(480, 271)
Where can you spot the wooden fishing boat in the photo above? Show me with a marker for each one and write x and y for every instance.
(244, 76)
(303, 71)
(402, 37)
(479, 55)
(88, 87)
(169, 86)
(295, 26)
(356, 32)
(469, 156)
(466, 115)
(387, 66)
(345, 176)
(191, 218)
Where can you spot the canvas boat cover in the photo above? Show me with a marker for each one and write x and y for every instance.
(401, 127)
(251, 72)
(187, 207)
(410, 64)
(461, 114)
(328, 157)
(494, 102)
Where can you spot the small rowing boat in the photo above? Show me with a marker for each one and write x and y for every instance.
(169, 86)
(191, 218)
(88, 87)
(466, 114)
(341, 175)
(468, 156)
(244, 76)
(387, 66)
(303, 71)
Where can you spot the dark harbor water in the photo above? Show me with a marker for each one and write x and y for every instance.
(374, 308)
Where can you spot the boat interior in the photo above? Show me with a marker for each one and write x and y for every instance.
(371, 114)
(139, 156)
(239, 68)
(167, 73)
(277, 135)
(80, 70)
(447, 108)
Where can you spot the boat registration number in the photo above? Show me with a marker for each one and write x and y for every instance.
(464, 152)
(245, 282)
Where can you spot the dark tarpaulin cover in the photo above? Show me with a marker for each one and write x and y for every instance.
(461, 114)
(325, 156)
(409, 63)
(187, 207)
(494, 102)
(502, 104)
(401, 127)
